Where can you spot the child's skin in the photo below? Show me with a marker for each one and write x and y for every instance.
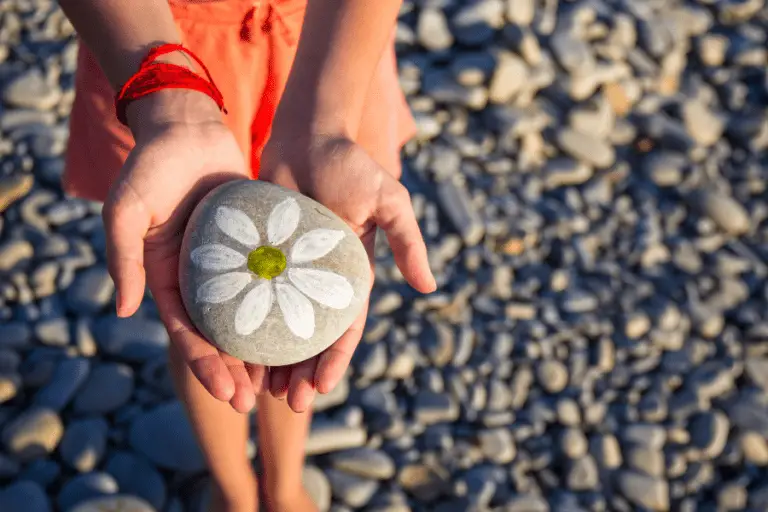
(182, 151)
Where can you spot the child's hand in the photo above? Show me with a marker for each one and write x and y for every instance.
(342, 176)
(182, 152)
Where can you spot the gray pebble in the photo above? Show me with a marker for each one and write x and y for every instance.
(364, 462)
(24, 496)
(351, 490)
(31, 90)
(709, 433)
(552, 376)
(53, 332)
(318, 487)
(645, 491)
(727, 213)
(582, 474)
(84, 443)
(15, 335)
(430, 407)
(91, 291)
(329, 437)
(498, 445)
(114, 504)
(67, 379)
(164, 435)
(85, 487)
(432, 30)
(33, 434)
(586, 148)
(14, 253)
(133, 339)
(135, 475)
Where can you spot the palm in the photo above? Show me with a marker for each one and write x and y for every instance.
(368, 197)
(153, 199)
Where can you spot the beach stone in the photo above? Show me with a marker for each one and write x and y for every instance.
(165, 437)
(326, 437)
(136, 476)
(67, 379)
(15, 335)
(108, 387)
(85, 487)
(133, 339)
(33, 434)
(13, 188)
(91, 291)
(270, 276)
(352, 490)
(317, 486)
(31, 90)
(83, 444)
(364, 462)
(113, 504)
(24, 496)
(645, 491)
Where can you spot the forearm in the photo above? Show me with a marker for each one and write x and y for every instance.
(120, 33)
(340, 48)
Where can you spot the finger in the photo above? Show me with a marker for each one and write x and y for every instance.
(333, 363)
(394, 214)
(259, 375)
(202, 357)
(279, 379)
(243, 399)
(301, 389)
(126, 222)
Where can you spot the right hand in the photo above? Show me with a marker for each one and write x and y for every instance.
(183, 150)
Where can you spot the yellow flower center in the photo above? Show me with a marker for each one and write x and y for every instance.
(266, 262)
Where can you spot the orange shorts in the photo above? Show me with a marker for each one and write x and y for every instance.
(249, 48)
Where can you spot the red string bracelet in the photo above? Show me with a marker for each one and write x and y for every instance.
(156, 76)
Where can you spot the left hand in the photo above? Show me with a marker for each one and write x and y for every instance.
(338, 173)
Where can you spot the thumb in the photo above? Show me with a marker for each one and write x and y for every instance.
(126, 222)
(394, 214)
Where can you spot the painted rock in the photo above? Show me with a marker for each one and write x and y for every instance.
(270, 276)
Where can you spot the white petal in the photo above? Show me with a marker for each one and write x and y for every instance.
(283, 221)
(253, 310)
(222, 288)
(297, 311)
(238, 225)
(315, 244)
(216, 257)
(325, 287)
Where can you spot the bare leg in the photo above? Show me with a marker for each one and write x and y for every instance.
(282, 435)
(223, 435)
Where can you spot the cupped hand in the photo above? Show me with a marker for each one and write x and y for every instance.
(182, 152)
(338, 173)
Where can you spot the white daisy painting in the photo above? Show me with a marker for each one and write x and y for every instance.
(272, 271)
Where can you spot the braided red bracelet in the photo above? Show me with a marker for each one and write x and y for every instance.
(155, 76)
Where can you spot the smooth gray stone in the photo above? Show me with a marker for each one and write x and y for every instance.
(165, 437)
(85, 487)
(24, 496)
(69, 376)
(114, 504)
(108, 387)
(33, 434)
(136, 476)
(269, 275)
(84, 443)
(132, 339)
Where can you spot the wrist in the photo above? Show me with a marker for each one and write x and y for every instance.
(171, 107)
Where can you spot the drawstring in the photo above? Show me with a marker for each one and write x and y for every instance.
(247, 29)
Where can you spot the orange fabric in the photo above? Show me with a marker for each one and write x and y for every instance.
(249, 49)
